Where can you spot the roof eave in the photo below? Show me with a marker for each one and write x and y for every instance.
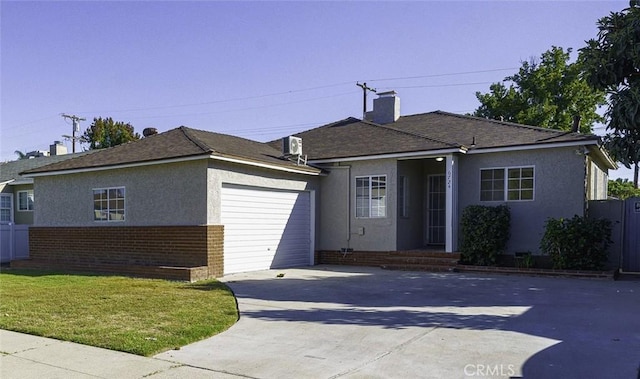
(401, 155)
(305, 170)
(112, 167)
(534, 146)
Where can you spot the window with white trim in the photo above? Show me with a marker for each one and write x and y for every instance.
(108, 204)
(371, 196)
(25, 200)
(510, 183)
(6, 207)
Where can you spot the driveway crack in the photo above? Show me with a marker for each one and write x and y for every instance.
(384, 354)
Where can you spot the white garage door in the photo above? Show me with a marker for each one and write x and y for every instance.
(265, 229)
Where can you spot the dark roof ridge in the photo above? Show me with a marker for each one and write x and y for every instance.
(383, 126)
(399, 130)
(195, 140)
(557, 132)
(343, 121)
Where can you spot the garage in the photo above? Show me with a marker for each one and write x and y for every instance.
(265, 228)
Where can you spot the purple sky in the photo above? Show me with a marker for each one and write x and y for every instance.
(261, 70)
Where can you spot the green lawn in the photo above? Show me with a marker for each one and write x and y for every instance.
(140, 316)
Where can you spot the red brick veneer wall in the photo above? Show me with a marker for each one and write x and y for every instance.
(131, 246)
(354, 258)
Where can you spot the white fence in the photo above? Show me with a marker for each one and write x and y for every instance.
(14, 242)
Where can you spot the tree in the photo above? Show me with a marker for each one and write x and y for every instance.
(612, 63)
(622, 189)
(20, 155)
(546, 93)
(105, 133)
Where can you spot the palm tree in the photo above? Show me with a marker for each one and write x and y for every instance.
(20, 154)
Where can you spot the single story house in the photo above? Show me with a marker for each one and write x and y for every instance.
(17, 199)
(191, 204)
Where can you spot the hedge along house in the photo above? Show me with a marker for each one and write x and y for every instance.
(189, 204)
(401, 183)
(184, 204)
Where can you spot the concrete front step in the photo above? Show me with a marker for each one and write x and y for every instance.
(424, 253)
(421, 261)
(428, 261)
(420, 267)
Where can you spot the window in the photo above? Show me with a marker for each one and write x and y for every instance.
(492, 185)
(371, 196)
(512, 183)
(520, 185)
(108, 204)
(6, 207)
(25, 200)
(403, 196)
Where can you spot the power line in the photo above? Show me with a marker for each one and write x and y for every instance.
(76, 129)
(441, 75)
(248, 108)
(290, 92)
(440, 85)
(222, 100)
(300, 90)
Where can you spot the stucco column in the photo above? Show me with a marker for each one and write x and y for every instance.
(451, 244)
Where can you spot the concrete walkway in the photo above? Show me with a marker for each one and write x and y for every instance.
(343, 322)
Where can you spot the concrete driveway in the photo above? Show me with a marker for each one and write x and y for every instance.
(346, 322)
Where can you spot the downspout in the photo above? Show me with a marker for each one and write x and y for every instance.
(587, 185)
(348, 206)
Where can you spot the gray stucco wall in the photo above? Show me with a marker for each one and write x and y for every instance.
(559, 190)
(184, 193)
(334, 215)
(598, 180)
(167, 194)
(410, 228)
(220, 173)
(380, 234)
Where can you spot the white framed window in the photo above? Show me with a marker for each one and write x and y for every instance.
(109, 204)
(371, 196)
(510, 183)
(6, 207)
(25, 201)
(403, 196)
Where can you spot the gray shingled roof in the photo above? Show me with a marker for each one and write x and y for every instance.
(428, 132)
(11, 170)
(424, 132)
(178, 143)
(352, 138)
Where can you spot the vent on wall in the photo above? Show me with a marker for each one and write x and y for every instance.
(291, 146)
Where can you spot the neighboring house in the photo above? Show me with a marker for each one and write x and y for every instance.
(17, 199)
(190, 204)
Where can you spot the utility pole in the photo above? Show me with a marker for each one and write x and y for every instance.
(76, 129)
(364, 97)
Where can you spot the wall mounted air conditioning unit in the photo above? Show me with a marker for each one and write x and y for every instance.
(292, 145)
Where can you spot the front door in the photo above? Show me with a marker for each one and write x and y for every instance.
(436, 210)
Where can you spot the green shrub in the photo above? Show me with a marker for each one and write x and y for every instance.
(485, 232)
(579, 243)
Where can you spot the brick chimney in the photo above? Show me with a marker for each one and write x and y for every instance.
(386, 108)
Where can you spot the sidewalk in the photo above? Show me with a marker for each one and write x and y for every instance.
(29, 357)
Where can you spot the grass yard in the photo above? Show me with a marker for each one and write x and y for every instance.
(140, 316)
